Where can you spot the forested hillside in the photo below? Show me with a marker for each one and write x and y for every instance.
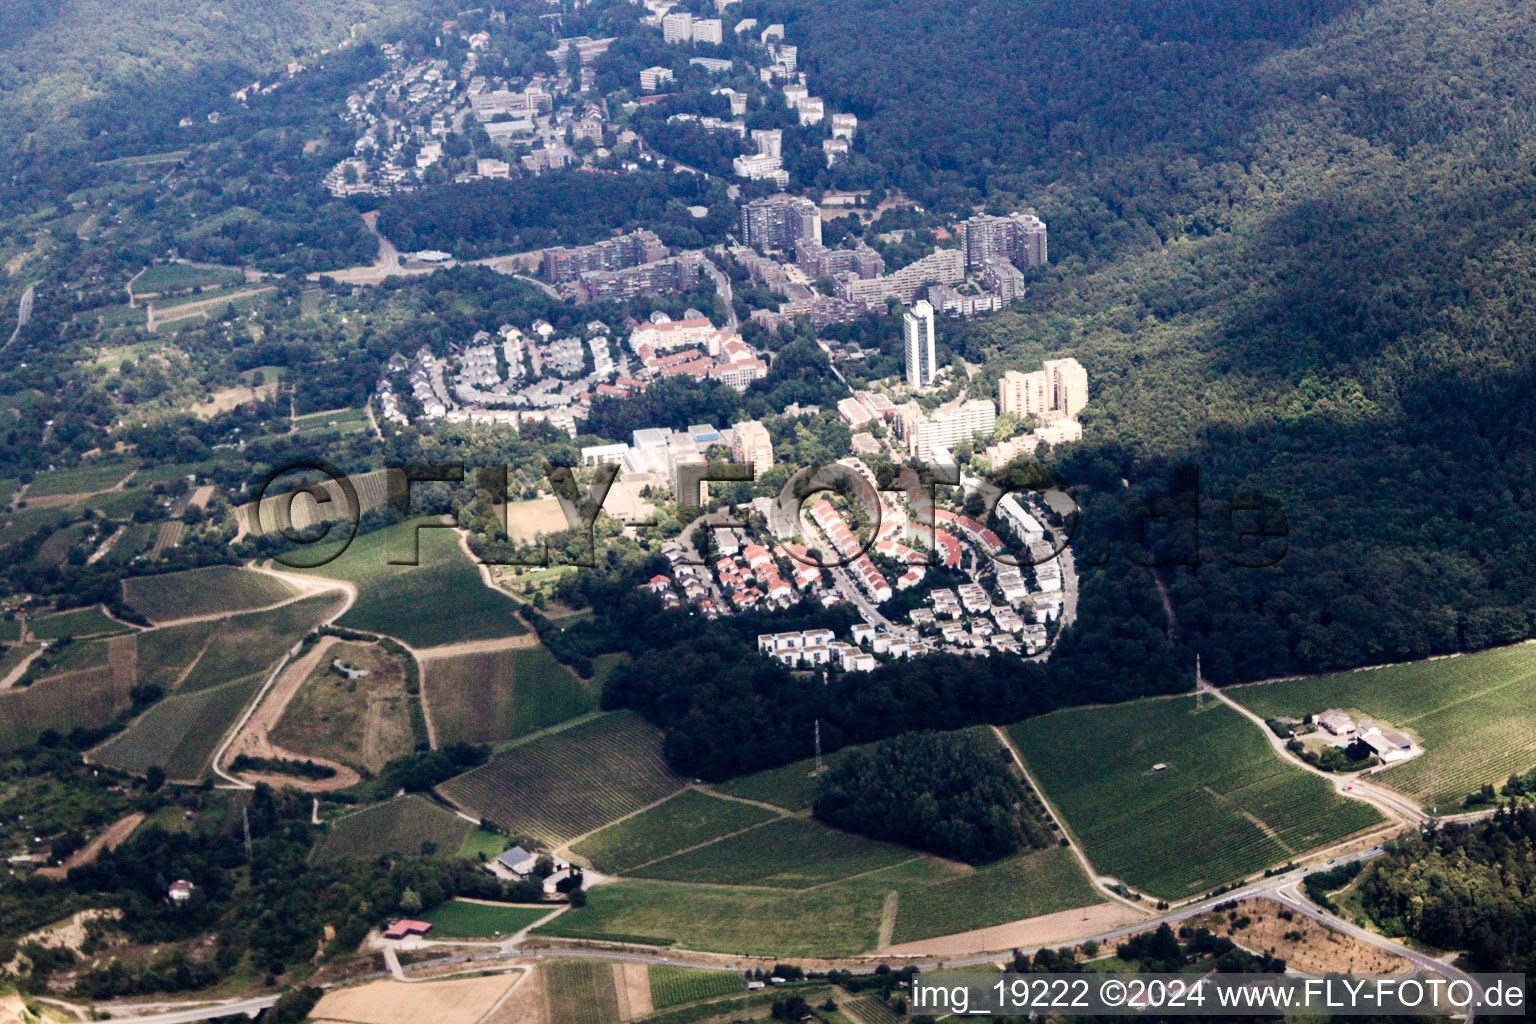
(54, 54)
(1293, 244)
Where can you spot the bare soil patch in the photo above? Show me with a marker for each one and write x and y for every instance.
(110, 838)
(1031, 933)
(1317, 948)
(254, 740)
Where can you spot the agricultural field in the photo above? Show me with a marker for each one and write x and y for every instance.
(166, 653)
(171, 277)
(832, 920)
(673, 986)
(86, 478)
(1472, 715)
(454, 1001)
(336, 423)
(787, 853)
(89, 698)
(90, 621)
(1024, 885)
(1225, 806)
(391, 597)
(70, 656)
(687, 819)
(792, 786)
(582, 992)
(219, 590)
(527, 520)
(136, 539)
(13, 654)
(563, 784)
(255, 641)
(874, 1010)
(23, 523)
(464, 919)
(181, 732)
(496, 696)
(364, 722)
(401, 825)
(54, 551)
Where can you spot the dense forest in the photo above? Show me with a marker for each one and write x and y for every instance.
(491, 218)
(958, 796)
(1470, 887)
(1291, 242)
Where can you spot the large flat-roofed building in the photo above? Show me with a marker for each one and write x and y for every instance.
(918, 339)
(1019, 238)
(777, 223)
(631, 250)
(819, 261)
(1069, 386)
(1024, 394)
(753, 446)
(1060, 387)
(708, 30)
(676, 274)
(943, 266)
(950, 424)
(654, 78)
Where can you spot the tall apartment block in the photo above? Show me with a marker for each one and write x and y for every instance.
(753, 446)
(777, 223)
(917, 332)
(631, 250)
(677, 28)
(1019, 239)
(1061, 387)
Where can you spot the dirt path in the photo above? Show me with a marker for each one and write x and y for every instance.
(255, 738)
(20, 669)
(888, 919)
(106, 546)
(633, 982)
(504, 643)
(171, 314)
(1031, 933)
(110, 838)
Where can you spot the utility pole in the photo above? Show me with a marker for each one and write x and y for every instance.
(819, 766)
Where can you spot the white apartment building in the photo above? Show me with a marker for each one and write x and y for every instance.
(753, 446)
(918, 334)
(949, 425)
(677, 27)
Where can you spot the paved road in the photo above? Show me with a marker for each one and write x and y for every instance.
(722, 289)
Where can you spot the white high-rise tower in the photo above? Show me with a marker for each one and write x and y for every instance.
(917, 327)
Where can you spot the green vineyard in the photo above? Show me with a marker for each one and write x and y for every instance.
(402, 825)
(1472, 714)
(215, 591)
(564, 784)
(1224, 805)
(687, 819)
